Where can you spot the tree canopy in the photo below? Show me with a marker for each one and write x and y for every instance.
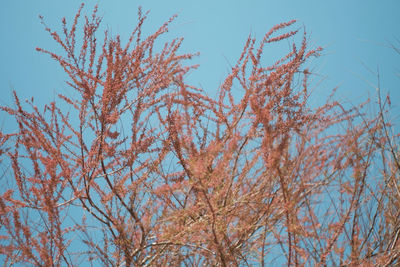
(138, 167)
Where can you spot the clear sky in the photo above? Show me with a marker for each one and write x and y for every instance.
(356, 35)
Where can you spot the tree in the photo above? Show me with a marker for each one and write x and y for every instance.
(140, 168)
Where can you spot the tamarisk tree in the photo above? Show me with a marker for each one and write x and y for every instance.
(136, 167)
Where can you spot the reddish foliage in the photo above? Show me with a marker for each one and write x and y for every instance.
(146, 170)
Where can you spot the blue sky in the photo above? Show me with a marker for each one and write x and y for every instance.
(355, 36)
